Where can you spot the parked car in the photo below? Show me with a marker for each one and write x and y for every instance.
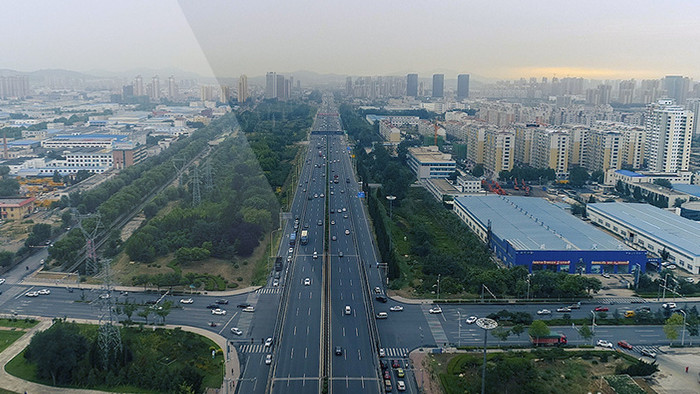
(604, 343)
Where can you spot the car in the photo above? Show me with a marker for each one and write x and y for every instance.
(222, 301)
(32, 294)
(291, 250)
(249, 309)
(332, 222)
(606, 275)
(289, 259)
(383, 365)
(338, 351)
(435, 309)
(600, 309)
(400, 373)
(342, 191)
(544, 312)
(237, 331)
(348, 310)
(604, 343)
(471, 319)
(268, 359)
(2, 280)
(186, 301)
(564, 309)
(268, 342)
(381, 298)
(210, 306)
(320, 222)
(345, 216)
(648, 353)
(395, 364)
(102, 296)
(333, 238)
(321, 195)
(575, 306)
(669, 305)
(400, 385)
(307, 282)
(340, 254)
(624, 345)
(306, 225)
(315, 254)
(275, 282)
(218, 311)
(396, 308)
(689, 280)
(243, 305)
(332, 210)
(45, 292)
(345, 209)
(387, 376)
(315, 195)
(382, 315)
(347, 232)
(377, 290)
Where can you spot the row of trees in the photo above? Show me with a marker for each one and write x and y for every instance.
(160, 360)
(635, 193)
(8, 185)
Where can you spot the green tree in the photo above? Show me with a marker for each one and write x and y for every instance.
(6, 258)
(478, 170)
(586, 332)
(673, 326)
(164, 310)
(501, 333)
(57, 352)
(578, 176)
(128, 309)
(663, 182)
(538, 329)
(517, 329)
(145, 312)
(678, 202)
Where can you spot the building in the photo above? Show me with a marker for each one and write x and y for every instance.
(127, 154)
(604, 150)
(476, 136)
(81, 141)
(653, 229)
(14, 87)
(550, 149)
(429, 162)
(466, 183)
(462, 86)
(669, 131)
(154, 94)
(270, 85)
(498, 150)
(631, 177)
(173, 93)
(412, 85)
(539, 235)
(524, 134)
(16, 208)
(138, 86)
(242, 88)
(438, 85)
(677, 87)
(89, 158)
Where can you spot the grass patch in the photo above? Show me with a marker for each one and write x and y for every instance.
(18, 323)
(7, 338)
(623, 384)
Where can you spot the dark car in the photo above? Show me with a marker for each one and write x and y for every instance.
(395, 364)
(338, 351)
(243, 305)
(212, 306)
(222, 302)
(381, 298)
(383, 364)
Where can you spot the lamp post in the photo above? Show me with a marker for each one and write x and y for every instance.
(683, 332)
(438, 287)
(663, 297)
(391, 205)
(486, 324)
(593, 326)
(528, 286)
(459, 332)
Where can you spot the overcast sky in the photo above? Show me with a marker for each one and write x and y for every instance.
(491, 38)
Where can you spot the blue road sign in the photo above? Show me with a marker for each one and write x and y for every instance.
(360, 194)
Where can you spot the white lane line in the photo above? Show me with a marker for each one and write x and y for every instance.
(227, 323)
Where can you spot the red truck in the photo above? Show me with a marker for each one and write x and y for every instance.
(553, 339)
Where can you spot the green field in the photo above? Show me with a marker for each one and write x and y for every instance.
(18, 323)
(8, 337)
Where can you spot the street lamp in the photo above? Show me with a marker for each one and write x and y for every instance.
(593, 326)
(438, 287)
(486, 324)
(459, 332)
(683, 334)
(391, 205)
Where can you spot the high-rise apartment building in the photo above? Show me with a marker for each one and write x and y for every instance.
(475, 143)
(669, 131)
(524, 133)
(348, 87)
(677, 88)
(14, 87)
(412, 85)
(138, 86)
(498, 150)
(693, 105)
(438, 85)
(154, 94)
(225, 94)
(462, 86)
(173, 92)
(271, 85)
(550, 149)
(626, 92)
(605, 150)
(281, 93)
(633, 147)
(207, 93)
(242, 88)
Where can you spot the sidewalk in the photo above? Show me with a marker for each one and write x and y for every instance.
(8, 382)
(135, 289)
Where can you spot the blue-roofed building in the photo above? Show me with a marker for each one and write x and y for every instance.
(82, 141)
(539, 235)
(653, 229)
(693, 190)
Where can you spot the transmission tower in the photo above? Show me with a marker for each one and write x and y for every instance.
(196, 194)
(179, 165)
(92, 266)
(109, 338)
(208, 181)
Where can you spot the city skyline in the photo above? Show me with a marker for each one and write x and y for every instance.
(501, 40)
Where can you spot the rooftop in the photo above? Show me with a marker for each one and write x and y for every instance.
(530, 223)
(430, 154)
(629, 173)
(693, 190)
(676, 231)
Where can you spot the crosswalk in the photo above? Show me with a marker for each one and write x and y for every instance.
(255, 348)
(654, 349)
(269, 290)
(398, 352)
(621, 300)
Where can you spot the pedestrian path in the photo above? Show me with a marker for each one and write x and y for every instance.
(655, 349)
(620, 300)
(399, 352)
(255, 348)
(269, 290)
(435, 325)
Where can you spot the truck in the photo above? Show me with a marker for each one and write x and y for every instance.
(553, 339)
(304, 237)
(292, 238)
(278, 263)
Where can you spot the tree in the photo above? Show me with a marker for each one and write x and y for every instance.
(673, 326)
(145, 312)
(501, 333)
(663, 182)
(517, 329)
(538, 329)
(585, 332)
(678, 202)
(57, 352)
(164, 310)
(128, 309)
(478, 170)
(578, 176)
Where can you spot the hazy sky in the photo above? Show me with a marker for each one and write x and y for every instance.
(492, 38)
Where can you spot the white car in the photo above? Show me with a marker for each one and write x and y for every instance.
(268, 342)
(471, 319)
(218, 311)
(348, 310)
(249, 309)
(275, 282)
(237, 331)
(604, 343)
(315, 255)
(377, 289)
(670, 305)
(44, 292)
(2, 280)
(333, 222)
(347, 232)
(268, 359)
(564, 309)
(186, 301)
(435, 309)
(32, 294)
(544, 312)
(291, 250)
(104, 296)
(307, 282)
(396, 308)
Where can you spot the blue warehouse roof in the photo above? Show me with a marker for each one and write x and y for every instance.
(675, 231)
(529, 223)
(693, 190)
(630, 173)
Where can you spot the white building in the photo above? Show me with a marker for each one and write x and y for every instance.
(669, 131)
(429, 162)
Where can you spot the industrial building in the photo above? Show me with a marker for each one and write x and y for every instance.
(539, 235)
(653, 229)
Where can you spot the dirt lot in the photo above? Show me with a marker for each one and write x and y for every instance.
(13, 233)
